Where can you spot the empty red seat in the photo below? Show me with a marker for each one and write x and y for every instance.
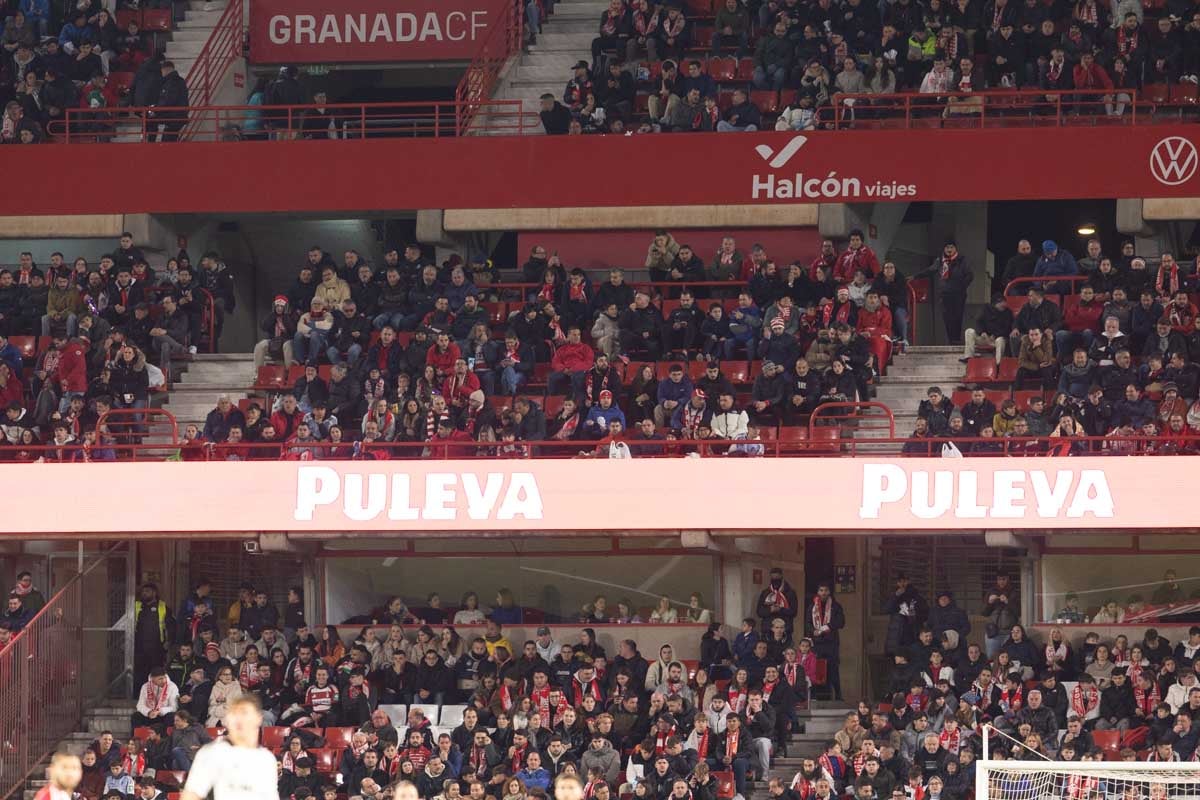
(736, 371)
(271, 377)
(126, 16)
(980, 370)
(338, 737)
(1107, 741)
(497, 312)
(702, 37)
(767, 100)
(1184, 93)
(726, 788)
(723, 69)
(326, 760)
(120, 81)
(273, 736)
(154, 19)
(554, 404)
(1156, 92)
(745, 69)
(698, 8)
(1008, 370)
(1022, 397)
(295, 373)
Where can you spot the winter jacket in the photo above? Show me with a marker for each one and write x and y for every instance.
(605, 758)
(1061, 264)
(1045, 315)
(334, 291)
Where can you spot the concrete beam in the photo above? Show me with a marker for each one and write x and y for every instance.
(628, 218)
(81, 226)
(1162, 209)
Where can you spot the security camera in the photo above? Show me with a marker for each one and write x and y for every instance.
(251, 547)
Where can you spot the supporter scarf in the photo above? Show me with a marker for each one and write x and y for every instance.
(302, 674)
(1086, 13)
(1055, 654)
(859, 762)
(20, 590)
(477, 761)
(1084, 697)
(155, 697)
(916, 791)
(547, 293)
(1171, 284)
(791, 672)
(737, 699)
(822, 614)
(1012, 701)
(23, 277)
(1135, 670)
(672, 28)
(518, 757)
(1147, 702)
(645, 23)
(390, 765)
(702, 745)
(834, 765)
(917, 702)
(590, 383)
(513, 354)
(506, 698)
(803, 787)
(248, 675)
(134, 765)
(592, 687)
(589, 790)
(775, 594)
(731, 745)
(674, 687)
(660, 740)
(541, 700)
(577, 293)
(947, 265)
(767, 688)
(609, 26)
(1154, 756)
(1054, 71)
(691, 419)
(949, 740)
(1126, 42)
(951, 49)
(996, 17)
(1080, 787)
(568, 428)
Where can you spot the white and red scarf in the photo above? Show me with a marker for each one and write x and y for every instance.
(822, 614)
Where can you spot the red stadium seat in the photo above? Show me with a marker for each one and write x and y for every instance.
(120, 81)
(767, 100)
(142, 733)
(820, 672)
(126, 16)
(273, 736)
(738, 372)
(156, 20)
(698, 8)
(1107, 741)
(668, 306)
(980, 370)
(745, 69)
(497, 312)
(632, 369)
(702, 36)
(338, 737)
(1156, 93)
(1021, 398)
(696, 372)
(726, 789)
(295, 373)
(723, 69)
(271, 378)
(1008, 370)
(554, 404)
(1184, 94)
(326, 760)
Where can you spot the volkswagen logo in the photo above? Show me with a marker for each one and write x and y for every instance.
(1173, 161)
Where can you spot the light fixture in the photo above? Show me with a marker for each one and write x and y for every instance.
(1087, 229)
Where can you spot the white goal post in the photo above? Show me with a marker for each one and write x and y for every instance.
(1038, 778)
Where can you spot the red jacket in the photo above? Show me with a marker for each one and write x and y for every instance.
(285, 424)
(875, 323)
(1181, 319)
(441, 447)
(1078, 317)
(452, 389)
(573, 358)
(72, 368)
(1094, 78)
(443, 361)
(863, 258)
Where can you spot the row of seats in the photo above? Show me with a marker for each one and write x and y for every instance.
(147, 19)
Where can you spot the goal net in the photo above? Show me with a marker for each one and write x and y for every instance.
(1030, 776)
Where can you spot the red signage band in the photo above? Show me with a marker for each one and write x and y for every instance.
(527, 171)
(307, 31)
(422, 496)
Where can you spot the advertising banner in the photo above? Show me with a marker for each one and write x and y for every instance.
(822, 494)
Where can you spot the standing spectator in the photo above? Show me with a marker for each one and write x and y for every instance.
(906, 611)
(1002, 607)
(826, 619)
(777, 601)
(556, 118)
(32, 599)
(951, 275)
(172, 94)
(152, 628)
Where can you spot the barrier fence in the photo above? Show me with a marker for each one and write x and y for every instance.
(41, 672)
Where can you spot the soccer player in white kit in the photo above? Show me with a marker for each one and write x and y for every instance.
(235, 768)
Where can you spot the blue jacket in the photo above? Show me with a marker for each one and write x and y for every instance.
(743, 646)
(73, 35)
(36, 9)
(679, 392)
(598, 419)
(538, 778)
(11, 356)
(1063, 263)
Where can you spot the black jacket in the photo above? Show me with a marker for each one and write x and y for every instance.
(995, 323)
(174, 91)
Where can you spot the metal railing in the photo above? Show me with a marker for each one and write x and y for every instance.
(785, 442)
(994, 108)
(41, 672)
(332, 122)
(474, 91)
(223, 47)
(1031, 282)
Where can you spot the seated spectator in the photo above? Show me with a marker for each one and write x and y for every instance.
(742, 115)
(1036, 360)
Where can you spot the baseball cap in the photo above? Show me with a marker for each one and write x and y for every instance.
(543, 631)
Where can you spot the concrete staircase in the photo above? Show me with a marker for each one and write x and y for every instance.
(824, 719)
(907, 380)
(201, 380)
(565, 39)
(191, 33)
(113, 716)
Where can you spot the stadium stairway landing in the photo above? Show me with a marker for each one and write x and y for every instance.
(565, 39)
(823, 720)
(112, 716)
(907, 380)
(202, 379)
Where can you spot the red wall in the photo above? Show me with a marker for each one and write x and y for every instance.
(604, 249)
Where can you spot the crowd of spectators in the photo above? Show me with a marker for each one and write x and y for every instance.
(416, 356)
(810, 52)
(57, 57)
(1114, 355)
(113, 327)
(513, 715)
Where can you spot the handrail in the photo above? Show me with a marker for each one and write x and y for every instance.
(223, 47)
(42, 667)
(989, 107)
(434, 119)
(781, 443)
(136, 416)
(822, 412)
(1072, 279)
(481, 75)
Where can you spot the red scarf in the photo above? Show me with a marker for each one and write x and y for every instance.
(134, 765)
(1080, 787)
(731, 744)
(645, 23)
(1147, 702)
(518, 757)
(609, 28)
(1171, 284)
(737, 699)
(477, 761)
(660, 740)
(506, 698)
(776, 596)
(691, 420)
(1086, 13)
(1126, 42)
(672, 29)
(835, 766)
(1012, 701)
(590, 383)
(155, 697)
(822, 614)
(791, 671)
(1084, 697)
(949, 741)
(767, 688)
(702, 745)
(947, 265)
